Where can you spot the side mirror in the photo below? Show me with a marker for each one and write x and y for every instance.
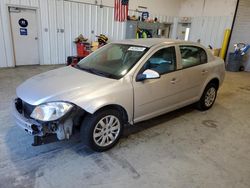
(148, 74)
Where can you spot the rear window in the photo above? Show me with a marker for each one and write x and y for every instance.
(192, 56)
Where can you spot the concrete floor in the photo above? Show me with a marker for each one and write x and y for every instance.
(186, 148)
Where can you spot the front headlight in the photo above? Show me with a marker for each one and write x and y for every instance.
(51, 111)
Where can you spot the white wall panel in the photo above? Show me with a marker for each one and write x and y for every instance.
(99, 20)
(3, 58)
(115, 31)
(34, 3)
(53, 31)
(25, 3)
(67, 25)
(87, 21)
(45, 31)
(6, 34)
(60, 36)
(210, 30)
(221, 30)
(81, 20)
(169, 7)
(173, 34)
(111, 26)
(93, 22)
(96, 22)
(215, 37)
(74, 24)
(105, 22)
(13, 2)
(196, 8)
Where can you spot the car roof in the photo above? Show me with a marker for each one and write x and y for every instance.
(154, 41)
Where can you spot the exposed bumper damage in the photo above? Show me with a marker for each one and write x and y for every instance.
(62, 128)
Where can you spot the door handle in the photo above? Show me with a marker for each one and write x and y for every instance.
(36, 38)
(204, 71)
(173, 81)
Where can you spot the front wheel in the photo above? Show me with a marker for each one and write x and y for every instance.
(102, 130)
(208, 97)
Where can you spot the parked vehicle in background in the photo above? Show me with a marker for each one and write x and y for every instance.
(124, 82)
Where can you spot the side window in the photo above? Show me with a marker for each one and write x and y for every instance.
(192, 56)
(163, 61)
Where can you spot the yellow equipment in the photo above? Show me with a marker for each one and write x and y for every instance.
(225, 43)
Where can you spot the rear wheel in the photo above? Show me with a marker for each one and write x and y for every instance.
(102, 130)
(208, 97)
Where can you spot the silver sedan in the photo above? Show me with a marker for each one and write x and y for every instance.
(122, 83)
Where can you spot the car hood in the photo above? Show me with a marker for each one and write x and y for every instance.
(63, 84)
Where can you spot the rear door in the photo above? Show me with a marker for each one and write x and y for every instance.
(195, 69)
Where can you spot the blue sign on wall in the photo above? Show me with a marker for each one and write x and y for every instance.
(23, 31)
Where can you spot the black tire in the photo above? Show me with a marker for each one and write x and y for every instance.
(89, 125)
(202, 105)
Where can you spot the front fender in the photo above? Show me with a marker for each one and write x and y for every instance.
(122, 96)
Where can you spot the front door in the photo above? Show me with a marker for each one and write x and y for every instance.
(25, 36)
(153, 97)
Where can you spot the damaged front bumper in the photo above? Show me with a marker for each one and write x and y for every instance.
(62, 127)
(29, 125)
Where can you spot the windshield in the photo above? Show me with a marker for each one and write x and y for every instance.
(112, 60)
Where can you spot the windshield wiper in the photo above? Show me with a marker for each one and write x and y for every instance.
(94, 71)
(100, 73)
(82, 68)
(85, 69)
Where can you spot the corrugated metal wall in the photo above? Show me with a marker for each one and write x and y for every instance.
(3, 58)
(61, 21)
(210, 30)
(241, 30)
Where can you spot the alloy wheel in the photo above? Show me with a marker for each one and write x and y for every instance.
(210, 96)
(106, 130)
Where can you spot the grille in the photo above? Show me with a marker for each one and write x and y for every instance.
(24, 108)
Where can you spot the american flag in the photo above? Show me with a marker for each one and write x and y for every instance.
(121, 10)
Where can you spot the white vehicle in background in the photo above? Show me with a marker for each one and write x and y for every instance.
(124, 82)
